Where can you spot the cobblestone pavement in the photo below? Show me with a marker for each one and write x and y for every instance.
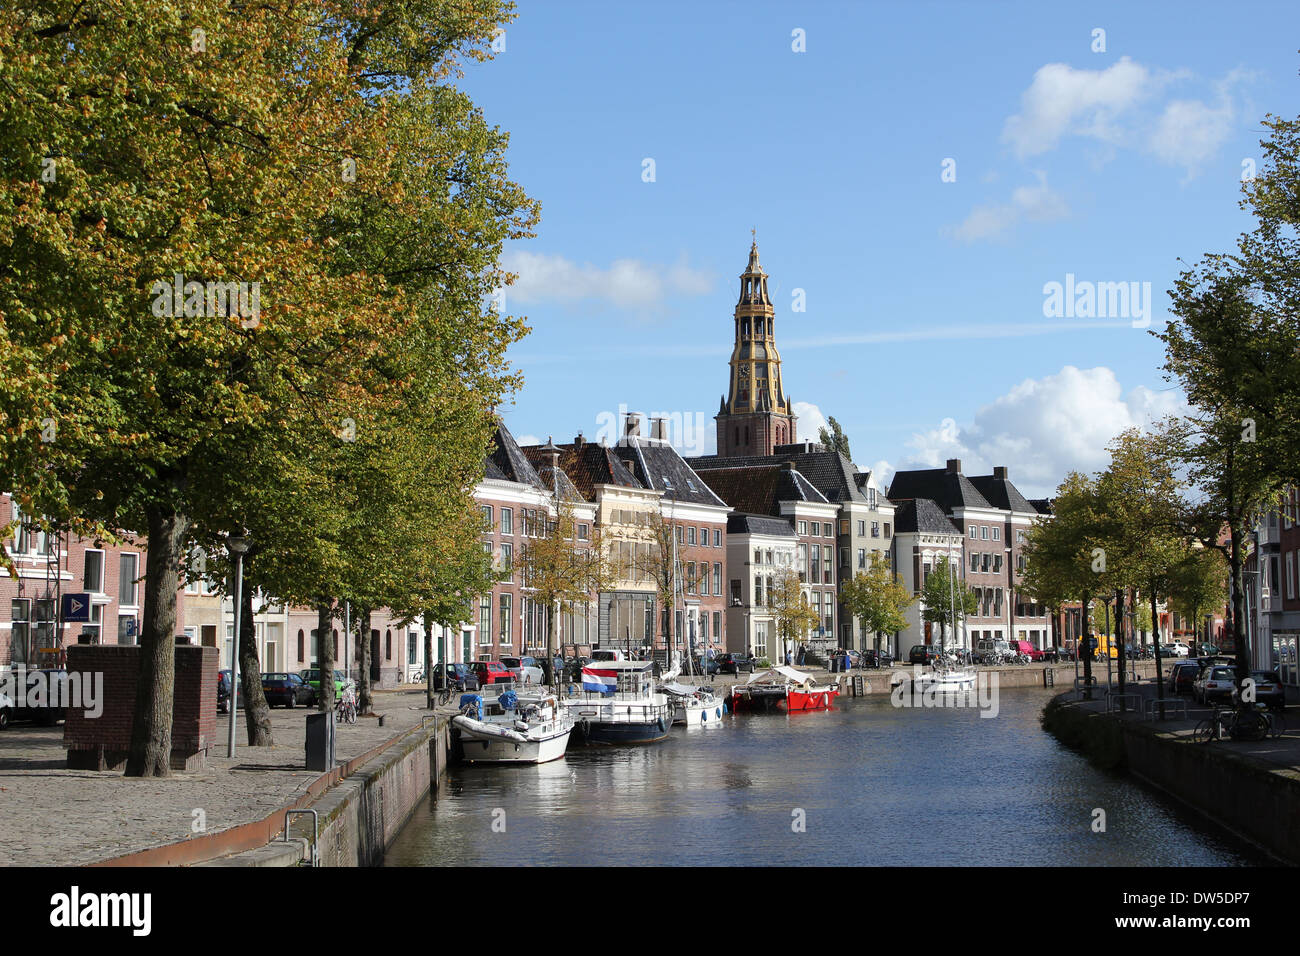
(50, 815)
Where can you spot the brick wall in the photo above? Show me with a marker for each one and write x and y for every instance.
(102, 743)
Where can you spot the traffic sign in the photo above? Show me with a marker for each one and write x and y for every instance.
(76, 608)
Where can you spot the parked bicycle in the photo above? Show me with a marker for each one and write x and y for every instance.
(1247, 723)
(346, 705)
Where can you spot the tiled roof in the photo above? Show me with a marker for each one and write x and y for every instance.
(507, 462)
(586, 465)
(758, 524)
(830, 472)
(1001, 493)
(921, 515)
(1042, 505)
(950, 490)
(761, 489)
(657, 465)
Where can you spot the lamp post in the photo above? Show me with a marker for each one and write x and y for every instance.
(237, 545)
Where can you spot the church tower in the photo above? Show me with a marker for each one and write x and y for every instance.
(756, 415)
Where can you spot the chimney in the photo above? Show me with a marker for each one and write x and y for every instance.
(579, 442)
(632, 425)
(657, 428)
(1000, 471)
(954, 466)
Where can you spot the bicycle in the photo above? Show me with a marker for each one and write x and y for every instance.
(1248, 725)
(346, 706)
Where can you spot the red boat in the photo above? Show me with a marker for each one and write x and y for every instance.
(783, 689)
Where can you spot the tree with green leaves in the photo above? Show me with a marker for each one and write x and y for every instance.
(878, 598)
(1198, 585)
(795, 617)
(175, 349)
(560, 570)
(1064, 561)
(834, 438)
(945, 599)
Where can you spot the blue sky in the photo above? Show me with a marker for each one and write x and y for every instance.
(924, 332)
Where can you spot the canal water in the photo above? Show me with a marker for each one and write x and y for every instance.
(870, 784)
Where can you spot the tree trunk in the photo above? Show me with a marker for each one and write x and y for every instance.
(548, 665)
(1084, 648)
(363, 646)
(1119, 638)
(428, 661)
(151, 726)
(325, 655)
(1155, 638)
(257, 712)
(1240, 625)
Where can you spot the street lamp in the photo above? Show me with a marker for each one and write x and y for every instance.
(237, 545)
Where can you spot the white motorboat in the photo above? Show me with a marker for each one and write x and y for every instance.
(512, 728)
(619, 705)
(694, 706)
(940, 680)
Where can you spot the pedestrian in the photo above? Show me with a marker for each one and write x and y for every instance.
(803, 654)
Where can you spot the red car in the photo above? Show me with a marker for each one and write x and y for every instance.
(491, 672)
(1024, 647)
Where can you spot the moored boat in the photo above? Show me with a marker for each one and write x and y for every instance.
(511, 728)
(783, 689)
(694, 706)
(618, 705)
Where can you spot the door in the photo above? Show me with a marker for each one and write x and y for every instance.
(374, 657)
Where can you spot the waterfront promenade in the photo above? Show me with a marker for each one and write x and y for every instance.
(53, 816)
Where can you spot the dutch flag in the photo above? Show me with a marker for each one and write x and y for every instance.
(599, 680)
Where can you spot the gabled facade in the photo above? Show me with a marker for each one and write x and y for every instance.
(759, 547)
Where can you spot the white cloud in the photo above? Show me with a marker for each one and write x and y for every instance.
(1036, 203)
(1121, 107)
(627, 283)
(811, 421)
(527, 440)
(1061, 99)
(1044, 428)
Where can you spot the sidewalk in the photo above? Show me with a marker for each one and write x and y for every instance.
(52, 816)
(1282, 752)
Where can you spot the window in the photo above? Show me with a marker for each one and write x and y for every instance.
(1020, 562)
(844, 526)
(826, 560)
(767, 557)
(735, 590)
(974, 532)
(803, 527)
(997, 562)
(925, 572)
(758, 556)
(505, 621)
(717, 580)
(127, 629)
(302, 642)
(583, 532)
(412, 648)
(887, 530)
(487, 517)
(507, 556)
(875, 529)
(828, 529)
(984, 561)
(844, 557)
(862, 529)
(871, 497)
(803, 563)
(704, 577)
(690, 535)
(704, 627)
(507, 525)
(758, 589)
(21, 635)
(816, 572)
(704, 537)
(717, 541)
(984, 532)
(996, 532)
(128, 570)
(717, 625)
(93, 574)
(862, 558)
(690, 577)
(388, 645)
(485, 619)
(681, 535)
(816, 529)
(1020, 537)
(974, 562)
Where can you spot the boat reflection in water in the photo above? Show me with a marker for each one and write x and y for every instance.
(618, 705)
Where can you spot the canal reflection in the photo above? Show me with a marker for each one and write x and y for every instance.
(874, 785)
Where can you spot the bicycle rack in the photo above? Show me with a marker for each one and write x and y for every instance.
(1112, 697)
(315, 832)
(1177, 702)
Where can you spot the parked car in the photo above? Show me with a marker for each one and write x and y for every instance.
(734, 663)
(458, 676)
(874, 658)
(608, 654)
(223, 693)
(707, 666)
(491, 672)
(1179, 649)
(1027, 649)
(1182, 677)
(923, 653)
(50, 711)
(1214, 683)
(526, 670)
(1206, 650)
(1269, 690)
(288, 690)
(311, 677)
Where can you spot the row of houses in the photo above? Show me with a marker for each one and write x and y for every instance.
(765, 504)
